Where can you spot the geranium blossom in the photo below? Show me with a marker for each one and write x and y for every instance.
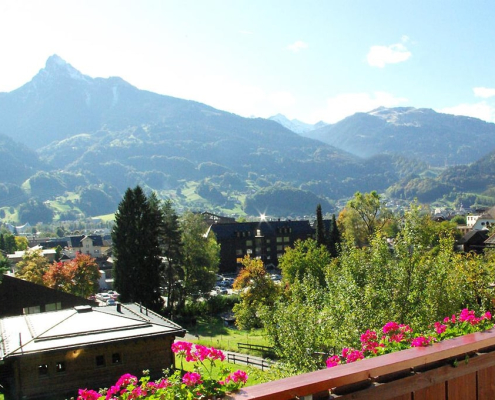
(191, 378)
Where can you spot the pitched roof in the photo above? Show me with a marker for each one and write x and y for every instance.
(80, 326)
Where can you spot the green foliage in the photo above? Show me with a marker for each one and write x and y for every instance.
(34, 212)
(298, 325)
(201, 256)
(257, 293)
(32, 267)
(307, 258)
(136, 250)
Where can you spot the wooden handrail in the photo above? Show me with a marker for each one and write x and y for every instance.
(323, 380)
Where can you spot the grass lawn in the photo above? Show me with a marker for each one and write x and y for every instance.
(254, 376)
(213, 333)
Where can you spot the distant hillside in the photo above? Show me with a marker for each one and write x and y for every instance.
(435, 138)
(96, 137)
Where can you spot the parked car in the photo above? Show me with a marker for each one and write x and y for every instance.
(113, 294)
(103, 297)
(111, 302)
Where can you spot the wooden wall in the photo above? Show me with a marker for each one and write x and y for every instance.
(81, 371)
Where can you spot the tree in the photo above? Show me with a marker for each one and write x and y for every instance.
(321, 238)
(334, 238)
(363, 216)
(170, 240)
(257, 292)
(307, 258)
(136, 250)
(5, 265)
(201, 256)
(21, 243)
(32, 267)
(85, 275)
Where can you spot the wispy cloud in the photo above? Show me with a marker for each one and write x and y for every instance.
(297, 46)
(484, 92)
(346, 104)
(481, 110)
(379, 56)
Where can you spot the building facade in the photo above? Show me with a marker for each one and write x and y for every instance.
(265, 240)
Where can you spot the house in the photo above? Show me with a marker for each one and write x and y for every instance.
(265, 240)
(53, 354)
(87, 244)
(49, 254)
(18, 297)
(481, 221)
(473, 241)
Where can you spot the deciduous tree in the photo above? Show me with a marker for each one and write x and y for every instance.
(257, 292)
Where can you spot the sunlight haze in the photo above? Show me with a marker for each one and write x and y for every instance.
(312, 61)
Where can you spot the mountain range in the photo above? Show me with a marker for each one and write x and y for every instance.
(73, 145)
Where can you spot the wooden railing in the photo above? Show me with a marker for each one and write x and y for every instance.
(456, 369)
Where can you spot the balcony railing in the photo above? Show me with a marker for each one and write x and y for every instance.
(456, 369)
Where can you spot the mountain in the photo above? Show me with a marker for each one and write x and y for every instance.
(435, 138)
(295, 125)
(96, 137)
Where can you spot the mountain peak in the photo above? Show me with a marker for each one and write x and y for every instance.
(56, 66)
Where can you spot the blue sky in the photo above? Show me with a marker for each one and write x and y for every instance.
(310, 60)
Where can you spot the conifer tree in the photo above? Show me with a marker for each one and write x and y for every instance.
(320, 228)
(334, 238)
(136, 250)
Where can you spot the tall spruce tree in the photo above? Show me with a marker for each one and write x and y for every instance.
(320, 228)
(334, 238)
(136, 250)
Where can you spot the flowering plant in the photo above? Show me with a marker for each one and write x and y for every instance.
(397, 337)
(201, 383)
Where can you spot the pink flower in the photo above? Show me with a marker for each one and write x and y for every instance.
(237, 377)
(487, 315)
(353, 355)
(390, 326)
(126, 380)
(216, 354)
(191, 379)
(333, 361)
(85, 394)
(182, 347)
(420, 341)
(440, 328)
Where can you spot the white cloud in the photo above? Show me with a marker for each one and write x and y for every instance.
(379, 56)
(481, 110)
(484, 92)
(346, 104)
(297, 46)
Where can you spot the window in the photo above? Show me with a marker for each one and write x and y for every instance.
(279, 239)
(238, 252)
(249, 242)
(60, 366)
(43, 370)
(31, 310)
(280, 247)
(100, 361)
(286, 239)
(53, 306)
(116, 358)
(267, 241)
